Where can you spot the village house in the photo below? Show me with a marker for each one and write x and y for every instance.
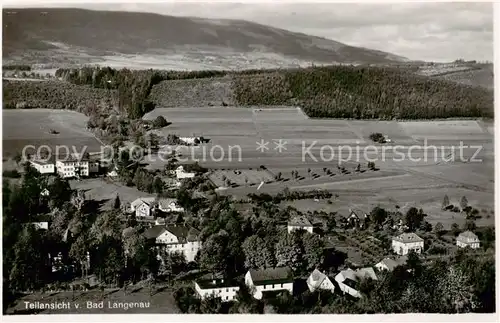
(209, 285)
(468, 239)
(41, 225)
(357, 218)
(190, 140)
(143, 207)
(176, 238)
(269, 280)
(299, 223)
(406, 242)
(43, 167)
(180, 173)
(388, 264)
(319, 281)
(348, 280)
(169, 205)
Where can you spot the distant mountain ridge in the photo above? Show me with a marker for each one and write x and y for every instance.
(100, 33)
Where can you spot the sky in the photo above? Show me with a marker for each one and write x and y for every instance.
(421, 31)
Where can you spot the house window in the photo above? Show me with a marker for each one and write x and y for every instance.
(227, 297)
(281, 285)
(273, 286)
(227, 289)
(264, 287)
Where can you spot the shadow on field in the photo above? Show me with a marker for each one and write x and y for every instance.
(94, 206)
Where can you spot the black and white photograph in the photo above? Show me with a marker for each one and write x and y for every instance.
(248, 158)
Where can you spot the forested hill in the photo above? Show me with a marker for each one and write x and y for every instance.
(323, 92)
(98, 33)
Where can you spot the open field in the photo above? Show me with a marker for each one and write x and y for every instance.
(421, 181)
(31, 127)
(104, 191)
(241, 177)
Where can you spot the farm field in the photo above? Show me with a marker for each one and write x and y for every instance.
(32, 127)
(240, 177)
(422, 180)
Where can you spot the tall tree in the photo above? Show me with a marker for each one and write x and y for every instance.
(464, 203)
(117, 203)
(378, 215)
(446, 202)
(257, 254)
(313, 251)
(214, 253)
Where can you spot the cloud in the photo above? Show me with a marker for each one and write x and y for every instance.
(428, 31)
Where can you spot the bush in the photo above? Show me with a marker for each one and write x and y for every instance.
(160, 122)
(11, 174)
(377, 137)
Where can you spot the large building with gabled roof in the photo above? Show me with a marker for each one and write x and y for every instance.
(176, 238)
(299, 223)
(269, 280)
(406, 242)
(468, 239)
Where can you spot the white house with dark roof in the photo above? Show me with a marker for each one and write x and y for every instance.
(143, 207)
(387, 264)
(356, 217)
(269, 280)
(209, 285)
(180, 173)
(319, 281)
(348, 280)
(176, 238)
(299, 223)
(406, 242)
(43, 167)
(168, 205)
(468, 239)
(75, 166)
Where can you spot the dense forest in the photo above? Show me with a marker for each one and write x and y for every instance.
(364, 93)
(361, 92)
(54, 95)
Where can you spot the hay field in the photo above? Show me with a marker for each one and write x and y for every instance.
(403, 182)
(31, 127)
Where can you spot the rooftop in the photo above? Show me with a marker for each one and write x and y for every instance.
(210, 281)
(140, 200)
(390, 263)
(183, 233)
(299, 221)
(408, 237)
(469, 235)
(165, 202)
(271, 276)
(154, 232)
(366, 272)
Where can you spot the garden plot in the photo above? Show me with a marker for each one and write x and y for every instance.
(240, 177)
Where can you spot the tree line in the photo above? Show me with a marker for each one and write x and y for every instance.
(364, 93)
